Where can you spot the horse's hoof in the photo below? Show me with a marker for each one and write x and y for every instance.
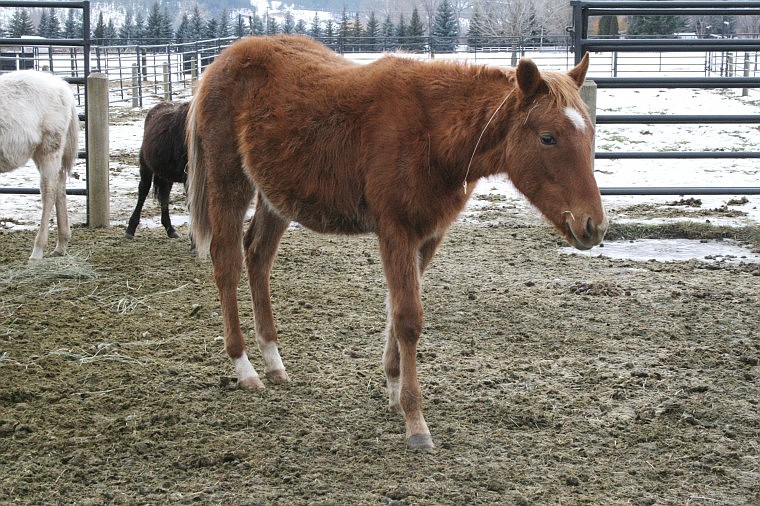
(420, 442)
(127, 235)
(251, 383)
(278, 377)
(56, 254)
(173, 234)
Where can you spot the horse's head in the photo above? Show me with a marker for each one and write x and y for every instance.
(550, 152)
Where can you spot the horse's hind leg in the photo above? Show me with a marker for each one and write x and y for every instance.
(260, 244)
(226, 207)
(48, 182)
(143, 188)
(62, 216)
(164, 190)
(402, 271)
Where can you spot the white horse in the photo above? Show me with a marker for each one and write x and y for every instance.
(38, 120)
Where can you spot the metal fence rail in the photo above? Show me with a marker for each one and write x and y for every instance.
(583, 42)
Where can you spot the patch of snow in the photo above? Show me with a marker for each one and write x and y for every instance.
(671, 250)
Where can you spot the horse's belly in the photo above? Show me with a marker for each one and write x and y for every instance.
(334, 223)
(326, 217)
(14, 155)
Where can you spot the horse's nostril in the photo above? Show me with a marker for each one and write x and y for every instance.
(590, 229)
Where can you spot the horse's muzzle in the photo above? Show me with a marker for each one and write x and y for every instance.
(585, 233)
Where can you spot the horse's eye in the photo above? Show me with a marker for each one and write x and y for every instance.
(548, 140)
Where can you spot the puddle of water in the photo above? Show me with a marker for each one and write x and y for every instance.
(671, 250)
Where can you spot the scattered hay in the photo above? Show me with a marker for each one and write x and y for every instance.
(104, 353)
(48, 270)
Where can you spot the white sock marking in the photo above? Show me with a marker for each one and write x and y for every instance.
(271, 356)
(394, 392)
(576, 117)
(244, 368)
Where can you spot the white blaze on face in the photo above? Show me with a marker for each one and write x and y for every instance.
(576, 117)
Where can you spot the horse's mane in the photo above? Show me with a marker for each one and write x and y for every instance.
(562, 90)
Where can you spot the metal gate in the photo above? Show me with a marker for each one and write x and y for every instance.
(583, 42)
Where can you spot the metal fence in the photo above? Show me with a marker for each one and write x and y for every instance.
(723, 55)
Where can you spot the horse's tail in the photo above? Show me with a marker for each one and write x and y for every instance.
(71, 149)
(200, 226)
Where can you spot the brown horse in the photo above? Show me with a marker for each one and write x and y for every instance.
(394, 148)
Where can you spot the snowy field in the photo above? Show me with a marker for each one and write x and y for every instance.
(23, 211)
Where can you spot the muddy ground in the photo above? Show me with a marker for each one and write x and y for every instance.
(548, 379)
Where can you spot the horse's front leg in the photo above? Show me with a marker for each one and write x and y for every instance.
(260, 244)
(391, 353)
(402, 271)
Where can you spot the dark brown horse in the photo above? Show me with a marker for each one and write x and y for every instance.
(394, 148)
(163, 160)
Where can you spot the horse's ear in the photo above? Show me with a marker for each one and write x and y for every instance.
(578, 73)
(528, 77)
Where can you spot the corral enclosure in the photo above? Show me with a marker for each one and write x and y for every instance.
(548, 378)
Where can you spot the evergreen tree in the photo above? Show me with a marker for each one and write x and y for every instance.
(416, 32)
(54, 25)
(256, 24)
(153, 26)
(654, 25)
(445, 28)
(223, 28)
(402, 32)
(300, 28)
(100, 31)
(357, 44)
(273, 27)
(21, 24)
(608, 25)
(212, 29)
(182, 34)
(388, 32)
(240, 28)
(343, 29)
(139, 27)
(289, 25)
(475, 33)
(329, 36)
(372, 34)
(72, 28)
(315, 31)
(167, 28)
(43, 25)
(110, 35)
(197, 25)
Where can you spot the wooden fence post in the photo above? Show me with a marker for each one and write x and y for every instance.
(98, 192)
(745, 91)
(588, 94)
(167, 76)
(135, 87)
(193, 74)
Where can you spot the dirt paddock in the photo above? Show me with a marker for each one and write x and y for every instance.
(548, 379)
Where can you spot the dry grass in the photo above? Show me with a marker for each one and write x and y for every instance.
(48, 270)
